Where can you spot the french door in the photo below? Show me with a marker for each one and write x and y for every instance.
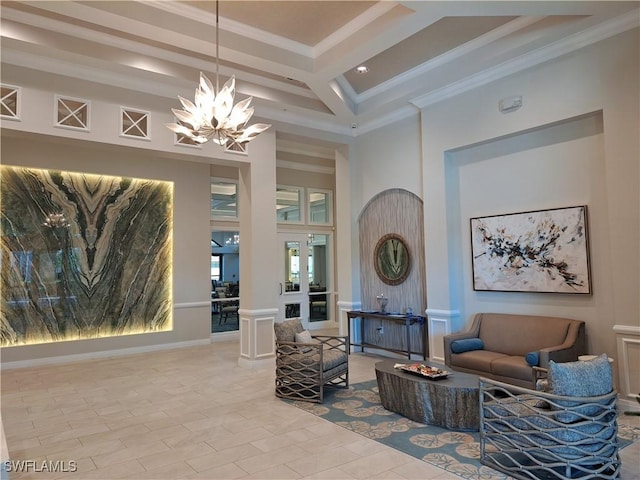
(304, 279)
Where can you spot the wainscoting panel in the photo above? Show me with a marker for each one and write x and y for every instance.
(257, 340)
(628, 346)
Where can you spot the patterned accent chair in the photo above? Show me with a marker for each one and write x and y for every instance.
(568, 432)
(304, 367)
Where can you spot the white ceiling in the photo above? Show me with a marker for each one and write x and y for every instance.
(297, 58)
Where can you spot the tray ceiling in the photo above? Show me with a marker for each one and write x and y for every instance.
(298, 58)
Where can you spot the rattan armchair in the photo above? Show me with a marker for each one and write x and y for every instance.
(303, 370)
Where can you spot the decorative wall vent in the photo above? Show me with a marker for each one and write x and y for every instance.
(236, 148)
(134, 123)
(72, 113)
(184, 140)
(10, 102)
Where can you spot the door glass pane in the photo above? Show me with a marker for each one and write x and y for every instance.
(288, 205)
(224, 199)
(292, 266)
(215, 267)
(319, 207)
(292, 310)
(318, 268)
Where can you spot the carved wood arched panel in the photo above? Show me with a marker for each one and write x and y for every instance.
(393, 218)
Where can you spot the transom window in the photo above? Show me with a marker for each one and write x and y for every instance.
(224, 199)
(299, 205)
(289, 204)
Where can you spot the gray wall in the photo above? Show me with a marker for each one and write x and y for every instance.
(191, 250)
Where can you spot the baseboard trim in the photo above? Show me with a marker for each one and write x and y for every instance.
(625, 405)
(102, 354)
(225, 336)
(260, 363)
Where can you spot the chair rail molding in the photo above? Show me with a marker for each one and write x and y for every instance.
(628, 352)
(205, 303)
(440, 324)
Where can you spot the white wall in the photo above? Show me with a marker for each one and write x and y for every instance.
(586, 163)
(387, 158)
(192, 315)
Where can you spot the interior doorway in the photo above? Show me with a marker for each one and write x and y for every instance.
(305, 279)
(225, 281)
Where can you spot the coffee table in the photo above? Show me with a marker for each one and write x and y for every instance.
(452, 402)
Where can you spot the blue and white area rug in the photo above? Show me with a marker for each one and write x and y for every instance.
(359, 409)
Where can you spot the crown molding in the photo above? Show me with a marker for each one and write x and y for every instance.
(184, 10)
(355, 25)
(381, 121)
(305, 167)
(314, 151)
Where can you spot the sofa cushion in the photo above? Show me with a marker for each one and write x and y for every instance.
(466, 345)
(332, 359)
(512, 366)
(475, 360)
(520, 334)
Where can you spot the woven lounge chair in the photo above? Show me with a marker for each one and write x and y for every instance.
(529, 434)
(304, 368)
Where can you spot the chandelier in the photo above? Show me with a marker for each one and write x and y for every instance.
(212, 115)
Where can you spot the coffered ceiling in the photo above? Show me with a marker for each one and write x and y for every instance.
(298, 58)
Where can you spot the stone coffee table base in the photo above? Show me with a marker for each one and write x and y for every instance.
(451, 403)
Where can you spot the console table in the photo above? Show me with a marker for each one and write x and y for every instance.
(406, 320)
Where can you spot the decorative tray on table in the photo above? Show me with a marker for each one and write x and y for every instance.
(423, 370)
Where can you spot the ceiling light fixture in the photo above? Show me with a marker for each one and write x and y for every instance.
(362, 69)
(212, 116)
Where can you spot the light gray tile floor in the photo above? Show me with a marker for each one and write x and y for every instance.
(192, 413)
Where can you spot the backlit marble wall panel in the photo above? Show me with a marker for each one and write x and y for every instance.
(83, 256)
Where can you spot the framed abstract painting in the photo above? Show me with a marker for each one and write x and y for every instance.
(537, 251)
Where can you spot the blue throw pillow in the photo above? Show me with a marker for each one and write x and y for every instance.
(467, 345)
(580, 379)
(533, 358)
